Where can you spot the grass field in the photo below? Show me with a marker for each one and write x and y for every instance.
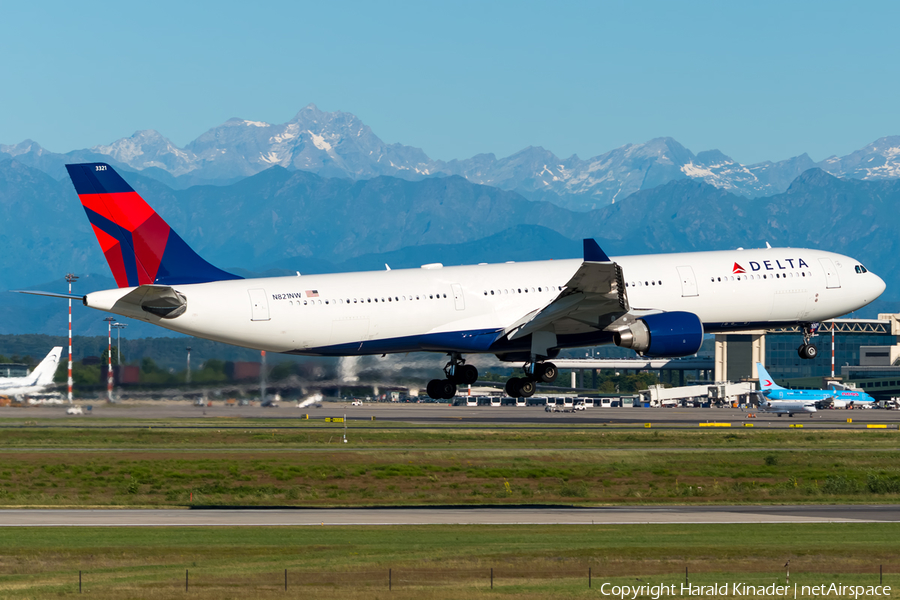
(252, 463)
(435, 562)
(249, 464)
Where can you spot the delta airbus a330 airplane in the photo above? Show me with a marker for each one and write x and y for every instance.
(657, 305)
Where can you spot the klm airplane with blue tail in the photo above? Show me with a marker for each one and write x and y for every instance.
(776, 399)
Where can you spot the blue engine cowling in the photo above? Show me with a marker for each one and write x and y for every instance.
(663, 334)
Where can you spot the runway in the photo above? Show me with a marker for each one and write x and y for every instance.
(379, 415)
(450, 516)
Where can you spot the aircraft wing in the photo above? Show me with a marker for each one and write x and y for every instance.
(591, 300)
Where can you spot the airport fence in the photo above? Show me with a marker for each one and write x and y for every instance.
(634, 573)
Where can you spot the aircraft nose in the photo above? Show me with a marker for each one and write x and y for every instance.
(878, 286)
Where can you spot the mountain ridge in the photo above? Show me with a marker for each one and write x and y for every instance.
(339, 145)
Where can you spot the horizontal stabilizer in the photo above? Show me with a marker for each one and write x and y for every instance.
(51, 294)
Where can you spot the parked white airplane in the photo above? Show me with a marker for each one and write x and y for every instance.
(776, 399)
(37, 381)
(658, 305)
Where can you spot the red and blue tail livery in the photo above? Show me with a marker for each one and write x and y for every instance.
(139, 246)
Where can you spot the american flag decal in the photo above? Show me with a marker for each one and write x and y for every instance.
(312, 293)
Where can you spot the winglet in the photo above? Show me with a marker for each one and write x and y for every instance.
(593, 253)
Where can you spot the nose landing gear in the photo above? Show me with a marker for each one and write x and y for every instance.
(458, 373)
(806, 350)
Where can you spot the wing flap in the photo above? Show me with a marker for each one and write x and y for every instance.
(592, 299)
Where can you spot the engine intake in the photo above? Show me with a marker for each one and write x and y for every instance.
(665, 334)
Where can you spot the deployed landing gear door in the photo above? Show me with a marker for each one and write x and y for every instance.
(688, 283)
(259, 305)
(458, 297)
(831, 277)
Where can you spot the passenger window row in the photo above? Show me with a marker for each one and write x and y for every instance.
(642, 283)
(383, 300)
(548, 288)
(753, 277)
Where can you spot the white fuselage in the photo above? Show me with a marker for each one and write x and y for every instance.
(787, 407)
(464, 308)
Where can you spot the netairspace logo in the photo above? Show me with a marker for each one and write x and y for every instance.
(743, 589)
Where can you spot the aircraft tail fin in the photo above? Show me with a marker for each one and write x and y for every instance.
(139, 245)
(765, 380)
(46, 369)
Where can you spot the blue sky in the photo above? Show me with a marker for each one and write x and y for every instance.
(759, 81)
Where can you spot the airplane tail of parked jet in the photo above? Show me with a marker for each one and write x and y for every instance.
(37, 380)
(139, 245)
(765, 380)
(42, 375)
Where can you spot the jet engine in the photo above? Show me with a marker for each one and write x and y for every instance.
(663, 334)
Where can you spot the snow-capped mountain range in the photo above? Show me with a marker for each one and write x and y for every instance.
(338, 144)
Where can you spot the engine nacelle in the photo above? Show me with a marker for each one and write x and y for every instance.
(663, 334)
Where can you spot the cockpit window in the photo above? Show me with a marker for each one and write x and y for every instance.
(861, 269)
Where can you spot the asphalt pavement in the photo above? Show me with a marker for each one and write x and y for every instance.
(287, 414)
(448, 516)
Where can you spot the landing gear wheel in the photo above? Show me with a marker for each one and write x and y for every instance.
(433, 389)
(466, 375)
(512, 387)
(807, 351)
(547, 372)
(526, 388)
(447, 389)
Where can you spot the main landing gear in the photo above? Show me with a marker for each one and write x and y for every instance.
(806, 350)
(458, 373)
(524, 387)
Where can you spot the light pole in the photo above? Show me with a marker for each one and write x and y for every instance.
(109, 372)
(119, 327)
(262, 377)
(832, 348)
(187, 378)
(70, 278)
